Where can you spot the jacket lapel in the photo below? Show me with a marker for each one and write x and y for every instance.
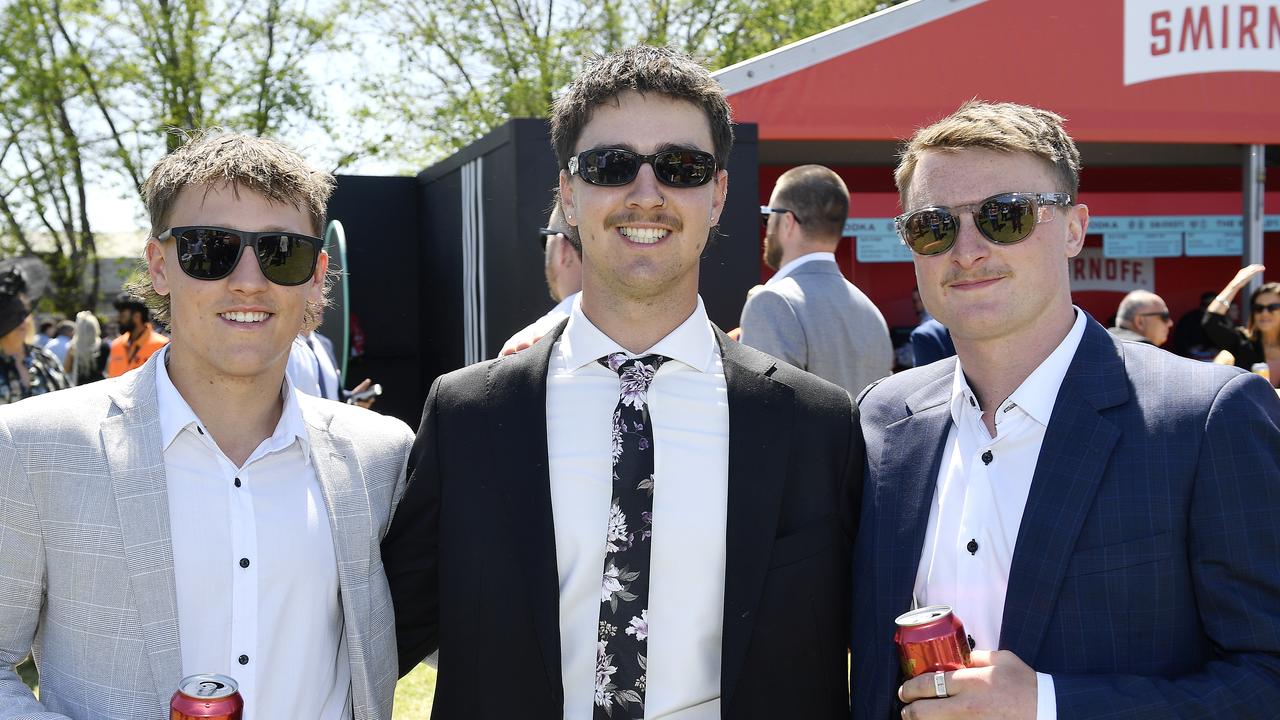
(1073, 458)
(338, 471)
(517, 388)
(131, 445)
(759, 440)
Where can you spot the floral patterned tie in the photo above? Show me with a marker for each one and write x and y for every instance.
(622, 643)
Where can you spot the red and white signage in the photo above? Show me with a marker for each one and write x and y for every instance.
(1091, 270)
(1167, 38)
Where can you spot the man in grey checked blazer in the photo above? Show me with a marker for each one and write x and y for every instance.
(92, 580)
(1103, 515)
(808, 314)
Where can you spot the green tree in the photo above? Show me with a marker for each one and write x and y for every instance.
(462, 67)
(94, 91)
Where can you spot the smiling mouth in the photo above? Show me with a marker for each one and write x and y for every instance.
(644, 236)
(245, 317)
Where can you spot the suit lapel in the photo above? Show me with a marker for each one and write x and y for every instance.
(346, 498)
(517, 387)
(904, 476)
(1073, 458)
(131, 445)
(760, 415)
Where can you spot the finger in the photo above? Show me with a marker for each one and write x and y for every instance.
(921, 687)
(508, 350)
(364, 385)
(926, 710)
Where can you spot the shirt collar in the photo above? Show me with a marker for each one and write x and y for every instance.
(692, 343)
(1037, 394)
(791, 265)
(176, 414)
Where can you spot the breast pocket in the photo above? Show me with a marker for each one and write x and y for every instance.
(1120, 556)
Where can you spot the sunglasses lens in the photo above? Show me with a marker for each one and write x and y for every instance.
(930, 231)
(684, 168)
(207, 253)
(610, 167)
(1006, 220)
(287, 259)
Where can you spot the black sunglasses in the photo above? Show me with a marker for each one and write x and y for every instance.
(1004, 219)
(1164, 314)
(211, 253)
(766, 211)
(612, 167)
(1270, 307)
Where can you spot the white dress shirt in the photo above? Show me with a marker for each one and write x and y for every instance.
(981, 492)
(254, 562)
(689, 410)
(791, 265)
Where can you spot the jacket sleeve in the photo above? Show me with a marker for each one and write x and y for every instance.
(1220, 331)
(1234, 542)
(770, 325)
(410, 550)
(21, 583)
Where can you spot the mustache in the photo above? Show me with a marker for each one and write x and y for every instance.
(968, 277)
(633, 217)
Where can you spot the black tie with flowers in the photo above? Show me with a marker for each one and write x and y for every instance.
(622, 644)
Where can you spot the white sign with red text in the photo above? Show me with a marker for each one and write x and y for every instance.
(1167, 38)
(1092, 270)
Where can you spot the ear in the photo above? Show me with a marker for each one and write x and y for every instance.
(567, 201)
(158, 266)
(566, 257)
(1077, 227)
(721, 192)
(315, 288)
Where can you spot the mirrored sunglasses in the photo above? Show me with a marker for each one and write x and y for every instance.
(612, 167)
(211, 253)
(1004, 219)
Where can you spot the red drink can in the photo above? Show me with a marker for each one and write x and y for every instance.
(931, 639)
(206, 697)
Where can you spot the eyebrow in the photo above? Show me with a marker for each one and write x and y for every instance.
(664, 147)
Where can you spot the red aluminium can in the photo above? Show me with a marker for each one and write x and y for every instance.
(931, 639)
(206, 697)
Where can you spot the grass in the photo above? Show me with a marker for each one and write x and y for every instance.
(414, 693)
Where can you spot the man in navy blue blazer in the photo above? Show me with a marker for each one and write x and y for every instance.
(1104, 517)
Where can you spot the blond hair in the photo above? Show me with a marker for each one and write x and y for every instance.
(1003, 127)
(213, 158)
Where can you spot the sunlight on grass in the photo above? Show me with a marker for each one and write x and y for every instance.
(414, 694)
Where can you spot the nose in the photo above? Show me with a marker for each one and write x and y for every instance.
(247, 276)
(645, 192)
(971, 247)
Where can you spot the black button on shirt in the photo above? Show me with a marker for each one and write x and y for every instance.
(987, 457)
(243, 659)
(972, 547)
(244, 562)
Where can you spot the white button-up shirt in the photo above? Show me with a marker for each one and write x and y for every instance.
(689, 411)
(254, 563)
(981, 492)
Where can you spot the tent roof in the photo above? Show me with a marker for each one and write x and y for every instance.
(884, 75)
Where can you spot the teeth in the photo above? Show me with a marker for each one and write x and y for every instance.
(647, 236)
(245, 317)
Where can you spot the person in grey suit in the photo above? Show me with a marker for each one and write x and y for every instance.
(198, 514)
(808, 314)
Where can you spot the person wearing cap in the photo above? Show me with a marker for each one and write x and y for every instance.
(25, 368)
(138, 340)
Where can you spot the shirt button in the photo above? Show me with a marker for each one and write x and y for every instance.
(244, 562)
(243, 659)
(972, 644)
(972, 547)
(237, 482)
(199, 429)
(987, 457)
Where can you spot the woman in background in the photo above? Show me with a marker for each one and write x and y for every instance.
(87, 357)
(1260, 341)
(25, 369)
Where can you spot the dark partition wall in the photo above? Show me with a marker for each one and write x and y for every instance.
(731, 264)
(380, 215)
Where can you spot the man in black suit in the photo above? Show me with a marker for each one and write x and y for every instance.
(636, 517)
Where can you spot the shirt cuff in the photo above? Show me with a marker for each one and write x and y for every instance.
(1046, 698)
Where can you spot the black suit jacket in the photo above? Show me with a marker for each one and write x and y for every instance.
(471, 555)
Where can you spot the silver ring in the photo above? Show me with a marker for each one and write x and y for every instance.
(940, 684)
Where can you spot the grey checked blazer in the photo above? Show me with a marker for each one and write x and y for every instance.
(818, 321)
(86, 564)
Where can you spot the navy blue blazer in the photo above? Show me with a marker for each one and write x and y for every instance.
(1146, 575)
(931, 342)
